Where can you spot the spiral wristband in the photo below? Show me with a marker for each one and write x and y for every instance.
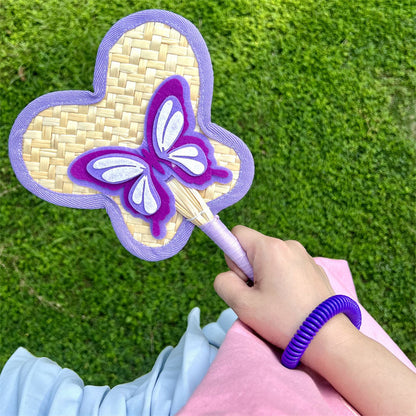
(315, 321)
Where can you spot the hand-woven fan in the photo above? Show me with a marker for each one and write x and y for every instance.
(142, 145)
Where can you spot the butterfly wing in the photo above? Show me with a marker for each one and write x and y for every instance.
(144, 197)
(123, 172)
(116, 168)
(190, 158)
(170, 125)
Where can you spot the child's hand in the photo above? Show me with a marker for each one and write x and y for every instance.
(288, 285)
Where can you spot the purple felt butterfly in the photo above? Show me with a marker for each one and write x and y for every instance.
(171, 148)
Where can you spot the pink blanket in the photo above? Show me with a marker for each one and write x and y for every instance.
(246, 377)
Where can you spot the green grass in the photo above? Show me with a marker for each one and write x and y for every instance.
(324, 95)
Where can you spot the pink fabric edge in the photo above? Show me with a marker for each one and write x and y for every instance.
(247, 378)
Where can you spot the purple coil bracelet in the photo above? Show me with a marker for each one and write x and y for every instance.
(315, 321)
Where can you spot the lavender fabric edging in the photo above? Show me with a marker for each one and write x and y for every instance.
(86, 97)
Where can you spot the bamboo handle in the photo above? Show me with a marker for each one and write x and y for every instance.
(190, 204)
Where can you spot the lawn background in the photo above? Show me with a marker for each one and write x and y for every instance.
(323, 93)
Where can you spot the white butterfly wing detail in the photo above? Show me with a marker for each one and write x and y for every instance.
(191, 157)
(144, 197)
(169, 125)
(116, 169)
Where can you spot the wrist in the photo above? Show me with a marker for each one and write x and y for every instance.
(320, 316)
(335, 336)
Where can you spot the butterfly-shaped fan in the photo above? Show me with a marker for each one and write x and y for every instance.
(142, 145)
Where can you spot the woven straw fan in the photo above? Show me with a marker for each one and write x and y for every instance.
(142, 146)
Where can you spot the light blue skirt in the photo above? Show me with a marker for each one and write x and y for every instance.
(31, 386)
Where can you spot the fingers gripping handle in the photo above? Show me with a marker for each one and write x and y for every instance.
(229, 244)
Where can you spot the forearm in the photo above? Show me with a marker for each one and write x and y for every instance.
(372, 379)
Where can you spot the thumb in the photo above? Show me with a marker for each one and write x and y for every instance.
(231, 289)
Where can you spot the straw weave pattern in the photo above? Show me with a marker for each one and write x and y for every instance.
(138, 63)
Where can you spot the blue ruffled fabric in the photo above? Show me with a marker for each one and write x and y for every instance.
(31, 386)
